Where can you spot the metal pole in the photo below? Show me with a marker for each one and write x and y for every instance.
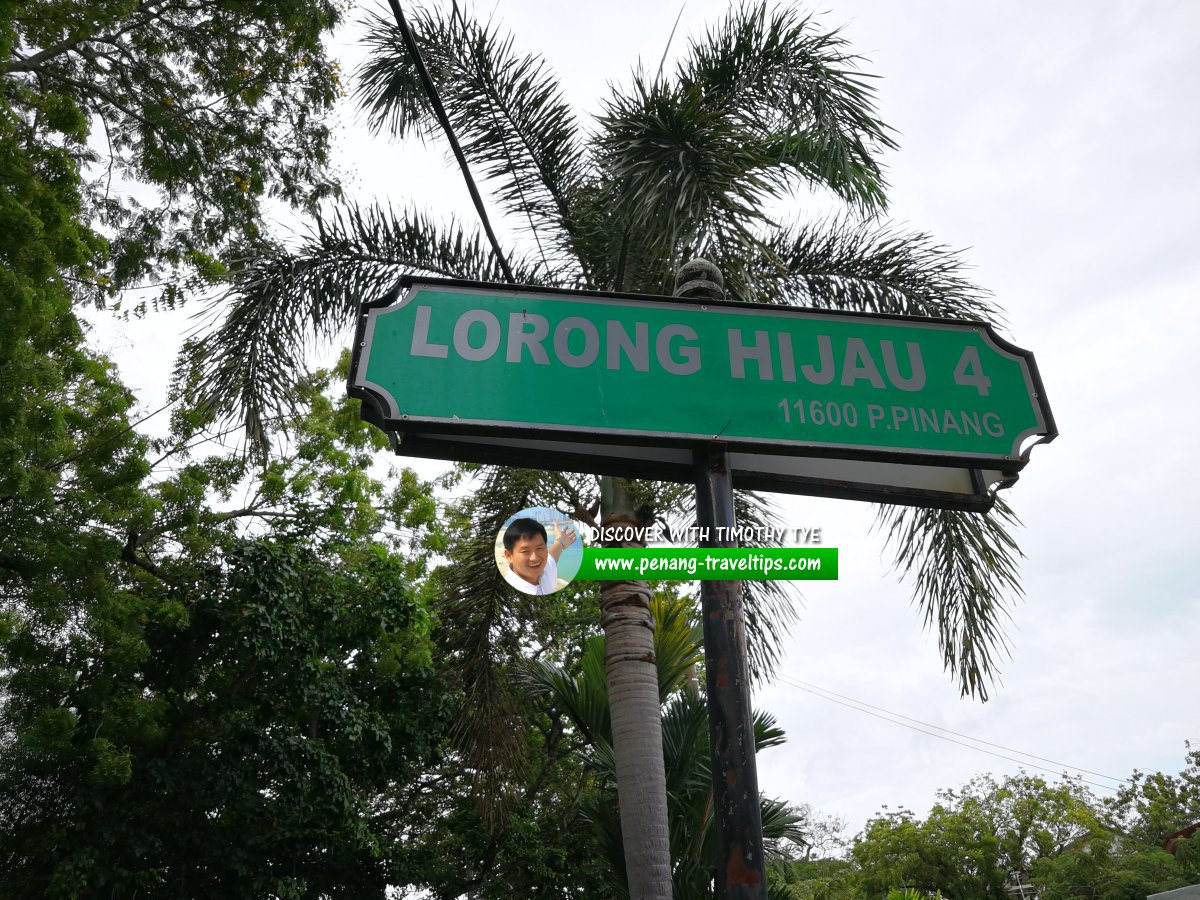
(741, 869)
(737, 816)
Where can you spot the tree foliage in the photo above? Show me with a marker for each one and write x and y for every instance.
(140, 138)
(450, 845)
(1127, 857)
(229, 680)
(983, 839)
(976, 840)
(195, 695)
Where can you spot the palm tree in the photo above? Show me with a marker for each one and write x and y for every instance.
(582, 696)
(678, 165)
(632, 684)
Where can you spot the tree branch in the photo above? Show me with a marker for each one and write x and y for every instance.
(129, 554)
(33, 63)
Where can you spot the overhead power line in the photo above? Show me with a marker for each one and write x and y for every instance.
(894, 718)
(800, 681)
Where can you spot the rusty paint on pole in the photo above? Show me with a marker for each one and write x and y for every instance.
(741, 868)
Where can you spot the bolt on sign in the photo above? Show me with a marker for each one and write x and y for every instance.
(894, 408)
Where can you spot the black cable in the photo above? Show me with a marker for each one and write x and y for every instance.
(798, 682)
(461, 20)
(943, 737)
(410, 44)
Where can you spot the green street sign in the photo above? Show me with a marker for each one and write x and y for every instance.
(473, 360)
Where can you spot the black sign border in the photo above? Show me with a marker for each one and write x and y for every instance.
(434, 439)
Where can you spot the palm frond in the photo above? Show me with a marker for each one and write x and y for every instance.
(965, 570)
(678, 175)
(686, 749)
(763, 103)
(689, 791)
(678, 643)
(795, 91)
(966, 564)
(685, 745)
(770, 606)
(781, 825)
(504, 106)
(583, 698)
(278, 298)
(841, 264)
(767, 732)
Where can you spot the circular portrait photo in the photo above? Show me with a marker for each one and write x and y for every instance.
(538, 551)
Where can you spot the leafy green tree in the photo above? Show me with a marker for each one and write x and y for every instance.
(235, 749)
(1150, 806)
(817, 869)
(162, 125)
(976, 841)
(1106, 867)
(680, 164)
(982, 839)
(498, 816)
(1126, 858)
(449, 845)
(189, 707)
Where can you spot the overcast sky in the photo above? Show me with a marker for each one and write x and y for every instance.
(1057, 145)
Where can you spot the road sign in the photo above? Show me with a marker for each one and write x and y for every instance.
(513, 373)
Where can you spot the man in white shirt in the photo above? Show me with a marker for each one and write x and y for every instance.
(532, 565)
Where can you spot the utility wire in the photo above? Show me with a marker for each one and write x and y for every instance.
(796, 683)
(410, 44)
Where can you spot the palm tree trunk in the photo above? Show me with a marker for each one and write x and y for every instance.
(632, 679)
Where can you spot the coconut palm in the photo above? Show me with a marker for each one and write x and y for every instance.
(679, 164)
(581, 694)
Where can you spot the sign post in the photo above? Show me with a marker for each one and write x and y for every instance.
(737, 814)
(898, 409)
(923, 411)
